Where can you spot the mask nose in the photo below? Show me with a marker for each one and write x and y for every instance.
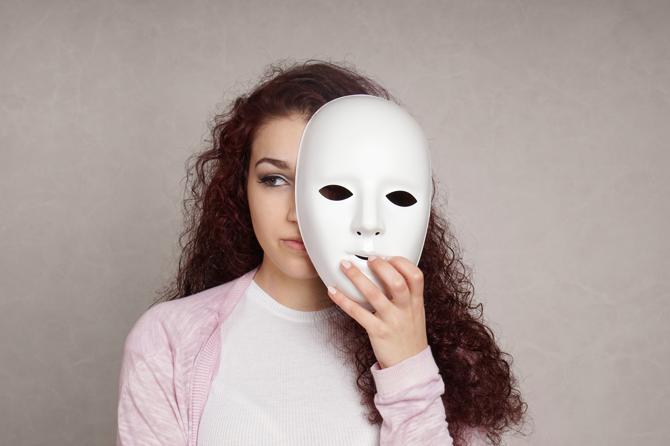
(368, 222)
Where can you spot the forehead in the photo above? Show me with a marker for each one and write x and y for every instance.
(278, 138)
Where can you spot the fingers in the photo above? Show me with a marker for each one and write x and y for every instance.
(361, 315)
(394, 282)
(412, 274)
(372, 293)
(403, 283)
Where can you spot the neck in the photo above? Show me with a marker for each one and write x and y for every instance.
(302, 294)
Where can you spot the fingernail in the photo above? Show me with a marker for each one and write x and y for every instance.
(346, 264)
(331, 290)
(371, 258)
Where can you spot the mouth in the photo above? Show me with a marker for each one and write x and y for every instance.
(296, 245)
(361, 257)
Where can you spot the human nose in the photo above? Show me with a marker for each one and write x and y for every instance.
(291, 210)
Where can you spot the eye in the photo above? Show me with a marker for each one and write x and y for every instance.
(335, 192)
(401, 198)
(268, 180)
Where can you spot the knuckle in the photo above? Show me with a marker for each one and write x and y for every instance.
(397, 284)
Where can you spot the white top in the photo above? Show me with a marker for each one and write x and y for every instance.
(281, 382)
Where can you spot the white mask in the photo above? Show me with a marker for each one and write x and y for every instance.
(363, 187)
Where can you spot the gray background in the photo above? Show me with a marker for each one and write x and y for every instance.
(549, 128)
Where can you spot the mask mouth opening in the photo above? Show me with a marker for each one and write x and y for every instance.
(361, 257)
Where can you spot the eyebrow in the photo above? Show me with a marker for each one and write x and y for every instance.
(275, 162)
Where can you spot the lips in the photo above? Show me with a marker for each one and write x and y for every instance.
(295, 245)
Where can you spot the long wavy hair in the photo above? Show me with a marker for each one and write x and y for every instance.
(218, 245)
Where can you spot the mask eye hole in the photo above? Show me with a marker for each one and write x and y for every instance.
(401, 198)
(335, 192)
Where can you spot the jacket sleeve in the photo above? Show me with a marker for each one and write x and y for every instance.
(148, 413)
(409, 401)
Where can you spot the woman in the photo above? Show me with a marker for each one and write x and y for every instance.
(293, 364)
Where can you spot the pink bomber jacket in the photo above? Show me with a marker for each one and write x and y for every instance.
(171, 355)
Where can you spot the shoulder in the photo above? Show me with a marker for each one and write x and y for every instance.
(175, 323)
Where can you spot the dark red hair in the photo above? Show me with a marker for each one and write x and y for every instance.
(218, 245)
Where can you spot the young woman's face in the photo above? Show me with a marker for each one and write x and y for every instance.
(270, 192)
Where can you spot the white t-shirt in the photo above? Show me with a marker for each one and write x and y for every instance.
(281, 382)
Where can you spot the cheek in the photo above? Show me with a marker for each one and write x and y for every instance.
(257, 209)
(265, 208)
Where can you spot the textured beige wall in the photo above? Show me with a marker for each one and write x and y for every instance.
(549, 124)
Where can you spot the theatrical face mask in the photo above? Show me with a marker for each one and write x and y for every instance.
(362, 187)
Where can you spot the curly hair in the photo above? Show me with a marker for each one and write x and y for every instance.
(218, 245)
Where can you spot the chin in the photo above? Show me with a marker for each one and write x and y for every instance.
(300, 269)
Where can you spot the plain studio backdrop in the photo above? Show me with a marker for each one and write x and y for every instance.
(549, 130)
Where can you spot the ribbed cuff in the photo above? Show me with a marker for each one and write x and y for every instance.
(414, 370)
